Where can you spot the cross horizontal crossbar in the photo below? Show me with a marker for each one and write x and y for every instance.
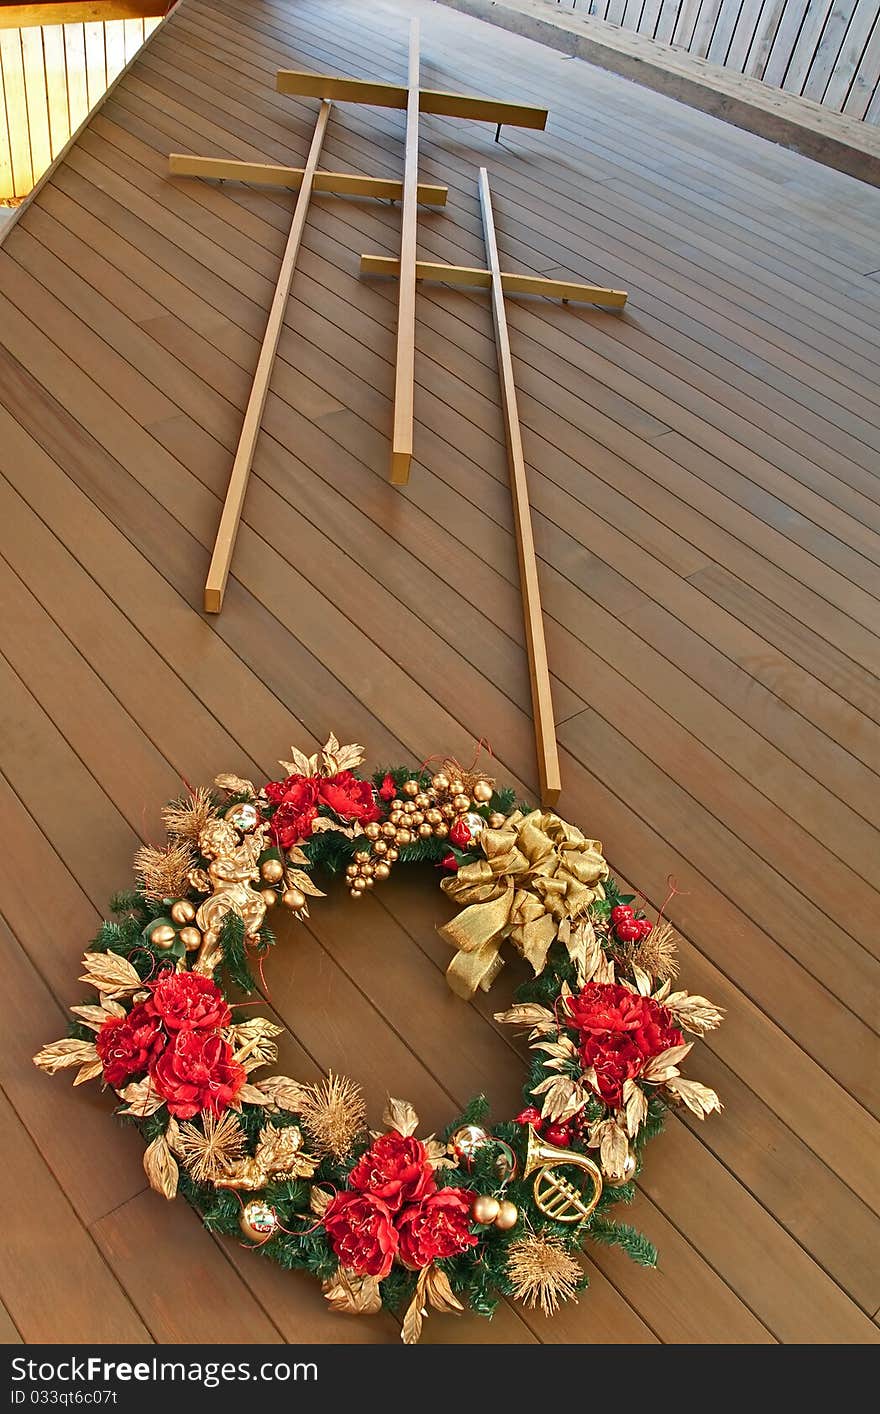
(223, 169)
(391, 95)
(511, 284)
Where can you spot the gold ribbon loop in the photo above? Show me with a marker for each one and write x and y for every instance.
(538, 870)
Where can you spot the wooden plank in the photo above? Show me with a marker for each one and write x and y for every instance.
(184, 164)
(512, 284)
(65, 12)
(533, 616)
(386, 95)
(15, 95)
(224, 545)
(404, 364)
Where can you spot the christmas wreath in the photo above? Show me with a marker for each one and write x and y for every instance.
(387, 1218)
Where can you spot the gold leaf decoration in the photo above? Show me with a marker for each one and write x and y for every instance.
(663, 1066)
(529, 1014)
(299, 879)
(251, 1095)
(635, 1107)
(657, 953)
(90, 1071)
(208, 1147)
(322, 823)
(563, 1097)
(543, 1272)
(319, 1200)
(352, 1293)
(613, 1149)
(92, 1016)
(109, 973)
(415, 1314)
(336, 758)
(698, 1098)
(439, 1292)
(400, 1115)
(693, 1013)
(141, 1099)
(300, 764)
(160, 1168)
(235, 785)
(438, 1154)
(282, 1093)
(252, 1042)
(164, 872)
(643, 982)
(64, 1055)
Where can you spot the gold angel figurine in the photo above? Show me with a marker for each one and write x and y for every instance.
(279, 1156)
(232, 871)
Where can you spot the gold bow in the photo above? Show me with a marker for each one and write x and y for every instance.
(538, 871)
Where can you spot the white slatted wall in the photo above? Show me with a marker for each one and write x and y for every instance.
(826, 50)
(50, 77)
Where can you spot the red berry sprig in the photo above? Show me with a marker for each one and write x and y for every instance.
(628, 928)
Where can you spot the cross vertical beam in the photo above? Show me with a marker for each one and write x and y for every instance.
(539, 671)
(221, 559)
(404, 374)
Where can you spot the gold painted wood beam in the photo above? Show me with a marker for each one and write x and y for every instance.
(80, 12)
(512, 284)
(539, 671)
(404, 370)
(224, 169)
(218, 573)
(434, 101)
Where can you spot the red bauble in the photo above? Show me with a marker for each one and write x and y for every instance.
(459, 834)
(646, 925)
(558, 1134)
(629, 931)
(449, 861)
(531, 1116)
(621, 913)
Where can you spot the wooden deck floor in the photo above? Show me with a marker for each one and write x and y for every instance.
(707, 513)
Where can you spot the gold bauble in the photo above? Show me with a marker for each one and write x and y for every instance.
(366, 870)
(362, 856)
(441, 830)
(508, 1216)
(163, 937)
(269, 897)
(389, 829)
(447, 811)
(440, 781)
(183, 911)
(392, 854)
(357, 892)
(422, 800)
(372, 831)
(486, 1208)
(358, 885)
(433, 816)
(404, 837)
(456, 786)
(258, 1221)
(629, 1172)
(461, 802)
(272, 871)
(396, 817)
(409, 807)
(426, 830)
(410, 788)
(381, 871)
(293, 898)
(417, 817)
(466, 1140)
(244, 817)
(351, 871)
(496, 820)
(482, 791)
(380, 847)
(369, 881)
(191, 938)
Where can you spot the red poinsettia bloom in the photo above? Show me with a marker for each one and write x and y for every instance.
(188, 1001)
(349, 797)
(439, 1226)
(387, 790)
(362, 1233)
(195, 1072)
(619, 1032)
(297, 802)
(395, 1169)
(128, 1044)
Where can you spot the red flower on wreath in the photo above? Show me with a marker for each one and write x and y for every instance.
(439, 1226)
(197, 1071)
(297, 799)
(387, 790)
(619, 1031)
(127, 1045)
(362, 1233)
(188, 1001)
(395, 1169)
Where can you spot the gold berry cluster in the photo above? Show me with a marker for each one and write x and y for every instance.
(419, 811)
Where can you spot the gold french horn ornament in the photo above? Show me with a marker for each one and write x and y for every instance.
(557, 1196)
